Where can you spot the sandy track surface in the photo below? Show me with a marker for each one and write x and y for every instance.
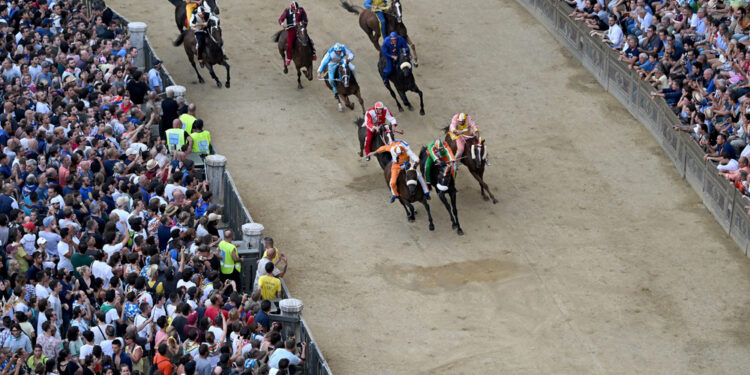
(598, 258)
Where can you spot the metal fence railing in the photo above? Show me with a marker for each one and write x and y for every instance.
(235, 212)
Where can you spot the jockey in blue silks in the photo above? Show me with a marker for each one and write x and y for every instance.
(393, 45)
(333, 57)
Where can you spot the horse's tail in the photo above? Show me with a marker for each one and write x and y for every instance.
(356, 9)
(180, 39)
(276, 36)
(359, 121)
(445, 129)
(422, 159)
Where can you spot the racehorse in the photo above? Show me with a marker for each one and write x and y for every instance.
(301, 53)
(475, 152)
(403, 78)
(213, 52)
(380, 137)
(368, 21)
(346, 84)
(181, 16)
(409, 192)
(443, 182)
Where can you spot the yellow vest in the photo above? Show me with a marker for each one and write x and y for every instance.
(228, 265)
(175, 139)
(187, 122)
(201, 141)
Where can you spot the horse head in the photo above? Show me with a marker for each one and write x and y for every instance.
(214, 31)
(214, 6)
(395, 10)
(302, 36)
(478, 152)
(444, 176)
(344, 70)
(404, 64)
(411, 179)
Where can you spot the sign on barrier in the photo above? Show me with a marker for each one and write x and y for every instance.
(695, 166)
(593, 55)
(740, 228)
(620, 81)
(718, 196)
(671, 141)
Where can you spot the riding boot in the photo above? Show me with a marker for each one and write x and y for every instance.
(367, 158)
(393, 198)
(314, 53)
(336, 95)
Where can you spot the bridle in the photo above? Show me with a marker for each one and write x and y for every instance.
(302, 35)
(397, 7)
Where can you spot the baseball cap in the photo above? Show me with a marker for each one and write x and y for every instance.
(28, 225)
(41, 241)
(214, 217)
(48, 221)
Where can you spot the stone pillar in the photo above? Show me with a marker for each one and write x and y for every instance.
(137, 38)
(215, 165)
(177, 89)
(250, 251)
(291, 307)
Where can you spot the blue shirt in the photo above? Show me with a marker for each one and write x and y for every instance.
(154, 79)
(262, 318)
(390, 50)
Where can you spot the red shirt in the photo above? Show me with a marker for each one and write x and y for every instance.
(212, 311)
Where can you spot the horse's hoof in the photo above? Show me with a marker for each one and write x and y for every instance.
(400, 108)
(421, 112)
(416, 64)
(454, 226)
(299, 86)
(351, 107)
(286, 70)
(486, 198)
(218, 84)
(201, 81)
(411, 219)
(341, 108)
(460, 232)
(494, 201)
(410, 107)
(226, 84)
(432, 226)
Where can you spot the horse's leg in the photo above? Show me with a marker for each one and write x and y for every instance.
(483, 185)
(393, 94)
(413, 51)
(189, 52)
(226, 65)
(347, 103)
(421, 102)
(447, 207)
(361, 102)
(299, 76)
(283, 60)
(213, 74)
(402, 94)
(413, 211)
(429, 214)
(459, 231)
(409, 214)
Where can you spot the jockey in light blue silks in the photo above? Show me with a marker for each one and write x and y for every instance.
(393, 45)
(333, 57)
(378, 7)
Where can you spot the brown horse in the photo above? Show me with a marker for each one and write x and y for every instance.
(370, 24)
(301, 53)
(473, 158)
(346, 84)
(381, 137)
(409, 192)
(181, 16)
(214, 54)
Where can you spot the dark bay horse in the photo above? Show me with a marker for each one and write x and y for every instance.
(473, 158)
(409, 192)
(346, 84)
(403, 78)
(381, 137)
(301, 53)
(181, 16)
(444, 183)
(369, 23)
(214, 55)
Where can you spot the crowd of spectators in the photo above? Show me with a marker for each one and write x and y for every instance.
(113, 257)
(695, 54)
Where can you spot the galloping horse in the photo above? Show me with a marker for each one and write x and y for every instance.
(213, 55)
(409, 192)
(473, 158)
(403, 78)
(346, 84)
(301, 52)
(380, 137)
(368, 21)
(181, 16)
(443, 182)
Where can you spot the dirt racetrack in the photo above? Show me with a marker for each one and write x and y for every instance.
(598, 258)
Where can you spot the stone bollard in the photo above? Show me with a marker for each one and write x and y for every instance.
(250, 251)
(137, 38)
(215, 165)
(177, 90)
(291, 307)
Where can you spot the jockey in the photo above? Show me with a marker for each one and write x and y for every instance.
(333, 57)
(379, 7)
(376, 117)
(198, 22)
(401, 154)
(462, 127)
(293, 16)
(189, 9)
(438, 150)
(392, 47)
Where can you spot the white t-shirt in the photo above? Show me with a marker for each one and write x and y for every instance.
(111, 249)
(614, 34)
(42, 292)
(101, 270)
(100, 332)
(139, 319)
(732, 165)
(111, 316)
(217, 333)
(186, 284)
(86, 349)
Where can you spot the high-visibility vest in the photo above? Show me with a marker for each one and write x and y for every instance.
(201, 141)
(228, 265)
(187, 122)
(175, 139)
